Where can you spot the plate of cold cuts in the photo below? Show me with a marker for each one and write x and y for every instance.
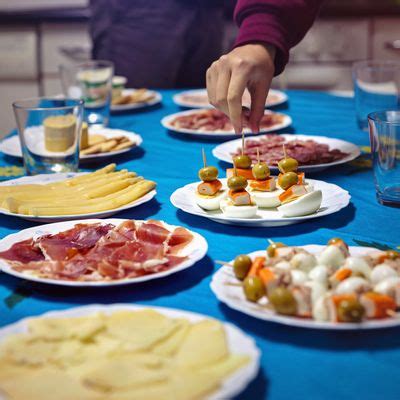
(198, 98)
(214, 123)
(313, 153)
(100, 252)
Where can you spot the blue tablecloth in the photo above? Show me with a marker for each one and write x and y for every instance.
(296, 363)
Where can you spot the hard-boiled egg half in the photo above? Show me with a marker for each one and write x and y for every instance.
(304, 205)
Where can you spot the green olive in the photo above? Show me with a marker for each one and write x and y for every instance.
(271, 249)
(241, 266)
(253, 288)
(261, 171)
(288, 165)
(208, 174)
(237, 182)
(283, 301)
(287, 179)
(243, 161)
(350, 311)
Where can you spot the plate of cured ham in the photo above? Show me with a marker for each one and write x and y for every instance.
(212, 122)
(313, 153)
(198, 98)
(100, 252)
(335, 286)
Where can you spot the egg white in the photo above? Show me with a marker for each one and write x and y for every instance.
(266, 199)
(304, 205)
(210, 203)
(230, 210)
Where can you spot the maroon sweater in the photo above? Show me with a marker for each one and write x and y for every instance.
(281, 23)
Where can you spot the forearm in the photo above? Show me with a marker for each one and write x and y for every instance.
(280, 23)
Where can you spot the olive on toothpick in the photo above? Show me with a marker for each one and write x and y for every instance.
(242, 161)
(287, 164)
(207, 174)
(260, 169)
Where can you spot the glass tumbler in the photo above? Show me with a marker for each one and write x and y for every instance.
(384, 131)
(49, 130)
(376, 87)
(92, 82)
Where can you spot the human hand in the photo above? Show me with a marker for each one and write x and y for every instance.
(249, 66)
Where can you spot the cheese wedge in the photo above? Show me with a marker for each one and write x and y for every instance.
(59, 132)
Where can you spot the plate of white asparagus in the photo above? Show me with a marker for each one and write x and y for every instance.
(66, 196)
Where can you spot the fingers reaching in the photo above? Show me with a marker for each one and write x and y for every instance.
(258, 95)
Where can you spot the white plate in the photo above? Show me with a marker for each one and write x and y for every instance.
(48, 178)
(12, 146)
(195, 251)
(166, 122)
(135, 106)
(238, 341)
(224, 285)
(334, 198)
(275, 98)
(224, 151)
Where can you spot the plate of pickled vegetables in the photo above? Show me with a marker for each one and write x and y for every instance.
(333, 286)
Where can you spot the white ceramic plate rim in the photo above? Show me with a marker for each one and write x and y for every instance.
(188, 190)
(47, 178)
(166, 123)
(238, 341)
(224, 150)
(180, 101)
(11, 145)
(195, 251)
(225, 275)
(134, 106)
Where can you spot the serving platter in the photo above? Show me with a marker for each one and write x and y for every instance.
(167, 122)
(225, 286)
(237, 340)
(42, 179)
(198, 98)
(195, 251)
(11, 146)
(225, 150)
(157, 98)
(334, 198)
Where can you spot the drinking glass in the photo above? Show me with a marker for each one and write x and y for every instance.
(376, 87)
(49, 130)
(384, 132)
(91, 82)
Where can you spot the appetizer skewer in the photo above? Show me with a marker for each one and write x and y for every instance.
(239, 203)
(331, 286)
(209, 193)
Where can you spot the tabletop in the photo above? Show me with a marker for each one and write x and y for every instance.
(296, 362)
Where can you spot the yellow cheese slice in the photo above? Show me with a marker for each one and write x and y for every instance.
(47, 384)
(141, 329)
(63, 328)
(205, 344)
(170, 345)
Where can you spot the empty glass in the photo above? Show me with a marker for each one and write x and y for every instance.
(91, 82)
(49, 130)
(384, 131)
(376, 87)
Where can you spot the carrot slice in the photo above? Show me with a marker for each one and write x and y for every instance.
(256, 266)
(266, 275)
(342, 274)
(382, 303)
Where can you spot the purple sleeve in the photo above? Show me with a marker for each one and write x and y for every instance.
(281, 23)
